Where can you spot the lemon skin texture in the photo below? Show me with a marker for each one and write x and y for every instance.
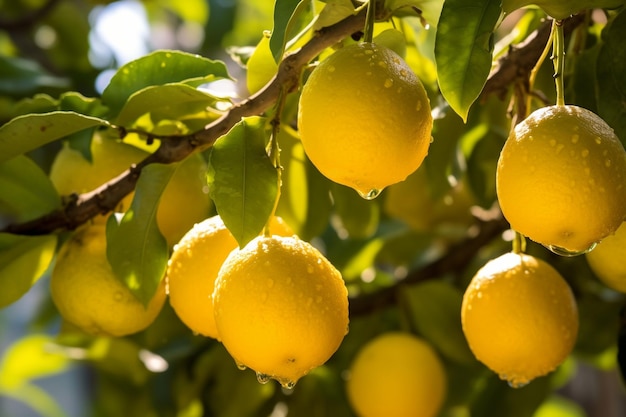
(364, 118)
(561, 178)
(519, 317)
(87, 293)
(396, 375)
(608, 260)
(281, 308)
(193, 267)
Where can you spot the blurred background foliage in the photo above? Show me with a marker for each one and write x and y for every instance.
(50, 47)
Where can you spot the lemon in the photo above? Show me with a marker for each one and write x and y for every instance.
(193, 267)
(607, 260)
(364, 118)
(87, 293)
(561, 179)
(183, 203)
(396, 375)
(281, 308)
(519, 317)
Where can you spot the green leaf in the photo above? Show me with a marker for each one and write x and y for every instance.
(27, 192)
(158, 68)
(164, 98)
(29, 358)
(243, 183)
(21, 76)
(334, 11)
(611, 76)
(288, 20)
(464, 48)
(435, 307)
(28, 132)
(136, 248)
(23, 260)
(557, 406)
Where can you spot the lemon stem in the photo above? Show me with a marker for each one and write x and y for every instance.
(542, 58)
(273, 152)
(519, 243)
(559, 61)
(369, 22)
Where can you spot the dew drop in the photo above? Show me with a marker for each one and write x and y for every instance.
(370, 195)
(331, 68)
(263, 378)
(388, 83)
(607, 163)
(552, 142)
(575, 138)
(287, 384)
(118, 296)
(418, 107)
(569, 253)
(559, 148)
(310, 269)
(241, 366)
(382, 64)
(585, 153)
(517, 384)
(598, 140)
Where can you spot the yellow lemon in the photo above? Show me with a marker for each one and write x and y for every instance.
(87, 293)
(193, 267)
(281, 308)
(561, 179)
(184, 201)
(396, 375)
(519, 317)
(608, 260)
(364, 118)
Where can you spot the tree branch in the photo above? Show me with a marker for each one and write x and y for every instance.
(81, 208)
(522, 58)
(454, 261)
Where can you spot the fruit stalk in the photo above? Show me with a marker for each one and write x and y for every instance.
(559, 60)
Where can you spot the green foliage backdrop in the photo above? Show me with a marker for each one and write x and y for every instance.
(228, 75)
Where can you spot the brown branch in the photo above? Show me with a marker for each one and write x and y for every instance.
(522, 58)
(176, 148)
(454, 261)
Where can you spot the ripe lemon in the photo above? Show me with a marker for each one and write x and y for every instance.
(396, 375)
(608, 260)
(193, 267)
(281, 308)
(364, 118)
(88, 294)
(184, 201)
(561, 179)
(519, 317)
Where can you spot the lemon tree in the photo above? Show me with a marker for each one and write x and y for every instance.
(407, 144)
